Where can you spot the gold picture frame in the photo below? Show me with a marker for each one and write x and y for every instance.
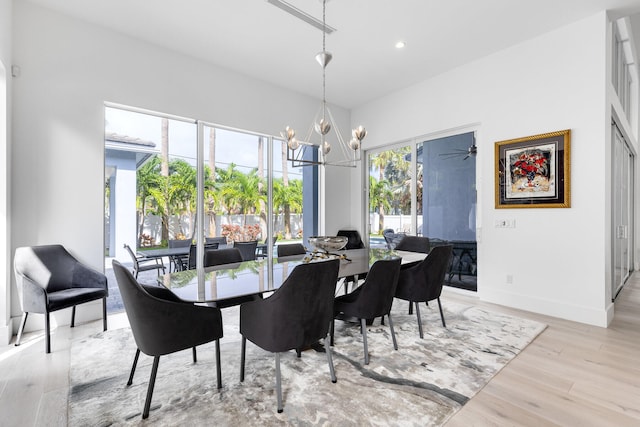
(534, 171)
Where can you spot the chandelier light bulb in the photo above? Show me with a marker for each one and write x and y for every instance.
(323, 127)
(326, 148)
(354, 144)
(293, 143)
(359, 133)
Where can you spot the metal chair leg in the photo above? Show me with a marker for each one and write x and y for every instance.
(152, 382)
(278, 384)
(104, 314)
(441, 313)
(242, 355)
(73, 316)
(331, 330)
(24, 322)
(133, 368)
(218, 367)
(419, 320)
(332, 371)
(393, 333)
(363, 325)
(195, 356)
(47, 333)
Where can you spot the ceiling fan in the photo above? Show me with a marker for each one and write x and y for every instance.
(471, 151)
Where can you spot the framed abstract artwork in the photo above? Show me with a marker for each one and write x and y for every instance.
(534, 171)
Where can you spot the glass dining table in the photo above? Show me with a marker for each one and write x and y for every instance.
(229, 281)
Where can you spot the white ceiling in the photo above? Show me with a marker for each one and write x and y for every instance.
(257, 39)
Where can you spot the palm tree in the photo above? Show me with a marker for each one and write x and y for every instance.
(164, 171)
(149, 192)
(183, 192)
(379, 196)
(287, 199)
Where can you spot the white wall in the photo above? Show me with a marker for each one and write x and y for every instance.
(5, 137)
(69, 69)
(557, 257)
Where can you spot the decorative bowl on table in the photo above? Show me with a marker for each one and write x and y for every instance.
(328, 243)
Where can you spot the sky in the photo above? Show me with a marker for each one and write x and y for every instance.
(231, 147)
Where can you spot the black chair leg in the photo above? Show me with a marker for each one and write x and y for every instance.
(24, 322)
(47, 333)
(410, 307)
(73, 316)
(218, 367)
(332, 371)
(419, 320)
(195, 356)
(152, 382)
(133, 368)
(104, 313)
(242, 356)
(331, 329)
(441, 313)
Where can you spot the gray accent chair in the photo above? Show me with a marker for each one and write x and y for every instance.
(162, 323)
(49, 278)
(423, 282)
(296, 315)
(372, 299)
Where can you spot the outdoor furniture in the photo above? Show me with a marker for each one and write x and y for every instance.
(162, 324)
(142, 263)
(221, 241)
(423, 282)
(178, 261)
(297, 315)
(222, 256)
(370, 300)
(247, 249)
(190, 263)
(291, 249)
(392, 238)
(49, 279)
(414, 244)
(262, 248)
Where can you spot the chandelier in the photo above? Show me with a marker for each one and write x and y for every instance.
(314, 149)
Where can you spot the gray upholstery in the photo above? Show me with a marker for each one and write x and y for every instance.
(370, 300)
(162, 323)
(49, 278)
(295, 316)
(413, 244)
(423, 282)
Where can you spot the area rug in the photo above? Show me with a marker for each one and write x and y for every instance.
(423, 383)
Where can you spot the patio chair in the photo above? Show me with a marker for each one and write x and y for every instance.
(142, 263)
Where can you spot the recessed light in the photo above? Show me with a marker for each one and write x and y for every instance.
(400, 44)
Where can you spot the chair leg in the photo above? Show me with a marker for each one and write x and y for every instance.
(332, 371)
(393, 333)
(363, 325)
(152, 382)
(133, 368)
(195, 356)
(331, 330)
(47, 333)
(278, 384)
(24, 322)
(419, 320)
(410, 307)
(218, 367)
(104, 314)
(441, 313)
(73, 316)
(242, 354)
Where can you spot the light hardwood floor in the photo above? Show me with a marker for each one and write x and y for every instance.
(571, 375)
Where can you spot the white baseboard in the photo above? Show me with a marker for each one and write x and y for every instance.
(6, 333)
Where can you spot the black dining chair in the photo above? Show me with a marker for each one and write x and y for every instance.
(355, 241)
(247, 249)
(413, 244)
(290, 249)
(142, 263)
(178, 261)
(222, 256)
(49, 278)
(162, 323)
(262, 249)
(370, 300)
(423, 282)
(296, 315)
(192, 258)
(221, 241)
